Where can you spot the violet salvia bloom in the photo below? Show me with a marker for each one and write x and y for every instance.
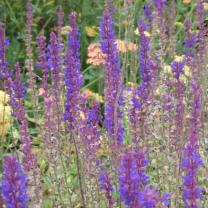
(43, 62)
(177, 68)
(148, 12)
(147, 66)
(200, 15)
(150, 198)
(54, 64)
(106, 187)
(133, 182)
(29, 53)
(113, 84)
(14, 184)
(59, 26)
(17, 99)
(128, 180)
(192, 160)
(132, 176)
(55, 67)
(5, 74)
(159, 4)
(90, 129)
(190, 41)
(142, 95)
(73, 77)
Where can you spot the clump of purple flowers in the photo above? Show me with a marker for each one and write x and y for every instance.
(73, 77)
(14, 184)
(192, 160)
(134, 191)
(106, 187)
(113, 82)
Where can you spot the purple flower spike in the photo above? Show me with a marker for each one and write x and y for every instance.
(177, 68)
(192, 160)
(106, 186)
(73, 77)
(14, 184)
(132, 176)
(148, 13)
(4, 69)
(113, 84)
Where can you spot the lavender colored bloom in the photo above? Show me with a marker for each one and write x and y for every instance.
(43, 62)
(192, 160)
(133, 182)
(147, 65)
(54, 63)
(73, 77)
(149, 198)
(142, 95)
(148, 13)
(59, 25)
(106, 186)
(159, 5)
(165, 199)
(190, 40)
(5, 73)
(128, 180)
(14, 184)
(90, 129)
(132, 176)
(16, 101)
(177, 68)
(113, 84)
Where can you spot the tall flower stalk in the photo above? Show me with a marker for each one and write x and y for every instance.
(192, 160)
(73, 77)
(113, 81)
(133, 182)
(142, 96)
(14, 184)
(73, 82)
(106, 187)
(29, 53)
(17, 90)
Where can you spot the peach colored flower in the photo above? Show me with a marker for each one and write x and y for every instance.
(95, 54)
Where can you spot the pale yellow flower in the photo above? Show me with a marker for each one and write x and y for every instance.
(183, 78)
(82, 116)
(167, 69)
(121, 46)
(158, 91)
(5, 114)
(180, 24)
(4, 128)
(5, 119)
(4, 98)
(147, 34)
(187, 71)
(65, 30)
(179, 58)
(136, 32)
(186, 1)
(91, 31)
(205, 4)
